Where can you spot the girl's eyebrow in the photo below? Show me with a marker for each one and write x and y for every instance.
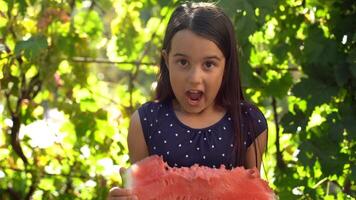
(180, 54)
(213, 57)
(207, 57)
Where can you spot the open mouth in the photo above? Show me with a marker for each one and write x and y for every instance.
(194, 96)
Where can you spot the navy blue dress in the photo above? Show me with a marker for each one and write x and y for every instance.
(181, 145)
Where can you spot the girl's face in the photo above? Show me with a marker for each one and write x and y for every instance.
(196, 67)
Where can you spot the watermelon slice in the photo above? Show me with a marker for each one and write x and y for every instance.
(151, 178)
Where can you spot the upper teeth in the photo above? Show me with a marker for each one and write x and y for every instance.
(195, 91)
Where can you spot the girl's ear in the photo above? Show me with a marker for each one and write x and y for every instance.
(165, 57)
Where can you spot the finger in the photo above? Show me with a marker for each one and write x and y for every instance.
(122, 171)
(124, 177)
(124, 198)
(117, 192)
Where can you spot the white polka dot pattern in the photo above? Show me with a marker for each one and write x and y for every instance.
(181, 145)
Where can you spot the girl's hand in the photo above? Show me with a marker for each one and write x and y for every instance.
(117, 193)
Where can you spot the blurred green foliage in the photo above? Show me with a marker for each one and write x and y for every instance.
(72, 72)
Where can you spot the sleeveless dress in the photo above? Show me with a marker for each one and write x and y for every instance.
(181, 145)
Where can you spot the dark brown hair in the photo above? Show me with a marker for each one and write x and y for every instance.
(209, 21)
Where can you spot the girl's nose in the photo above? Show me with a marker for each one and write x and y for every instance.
(195, 75)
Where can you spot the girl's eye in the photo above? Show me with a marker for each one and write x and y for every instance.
(182, 62)
(209, 64)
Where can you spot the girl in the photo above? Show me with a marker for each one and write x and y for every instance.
(200, 115)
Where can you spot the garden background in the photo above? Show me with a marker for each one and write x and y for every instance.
(72, 72)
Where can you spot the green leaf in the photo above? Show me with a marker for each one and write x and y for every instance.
(342, 74)
(349, 124)
(247, 77)
(314, 91)
(245, 6)
(10, 5)
(335, 127)
(314, 45)
(286, 177)
(88, 23)
(267, 4)
(353, 70)
(101, 114)
(32, 48)
(307, 154)
(265, 7)
(163, 3)
(331, 165)
(23, 6)
(245, 21)
(84, 122)
(245, 27)
(88, 104)
(230, 7)
(352, 60)
(353, 172)
(292, 121)
(320, 55)
(280, 51)
(322, 144)
(279, 87)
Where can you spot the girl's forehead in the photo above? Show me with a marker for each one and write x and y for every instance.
(188, 42)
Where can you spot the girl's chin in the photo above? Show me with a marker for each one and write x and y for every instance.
(193, 111)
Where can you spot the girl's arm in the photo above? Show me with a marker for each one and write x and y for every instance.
(136, 140)
(260, 143)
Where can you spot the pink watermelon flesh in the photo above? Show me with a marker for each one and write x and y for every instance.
(152, 178)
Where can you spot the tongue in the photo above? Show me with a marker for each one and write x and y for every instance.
(194, 96)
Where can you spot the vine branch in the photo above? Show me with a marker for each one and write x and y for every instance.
(280, 162)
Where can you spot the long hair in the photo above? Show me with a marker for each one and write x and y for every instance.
(210, 22)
